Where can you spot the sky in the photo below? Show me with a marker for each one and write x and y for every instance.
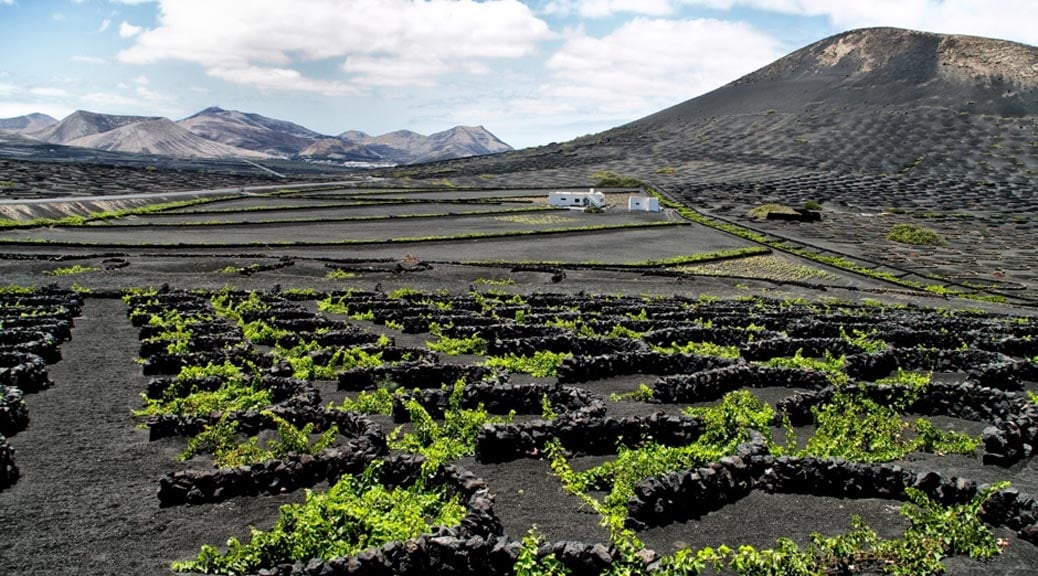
(531, 72)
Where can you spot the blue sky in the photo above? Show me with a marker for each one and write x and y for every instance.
(531, 72)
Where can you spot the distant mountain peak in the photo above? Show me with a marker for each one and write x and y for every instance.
(209, 111)
(355, 136)
(250, 131)
(28, 123)
(85, 123)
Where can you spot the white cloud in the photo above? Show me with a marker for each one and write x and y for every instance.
(597, 82)
(127, 30)
(10, 109)
(109, 99)
(1008, 19)
(606, 8)
(132, 2)
(88, 59)
(7, 2)
(388, 71)
(57, 16)
(387, 42)
(647, 63)
(142, 80)
(153, 97)
(267, 78)
(105, 24)
(48, 92)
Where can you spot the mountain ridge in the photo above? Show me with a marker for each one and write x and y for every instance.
(251, 135)
(33, 122)
(161, 136)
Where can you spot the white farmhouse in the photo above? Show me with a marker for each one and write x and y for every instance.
(643, 204)
(576, 199)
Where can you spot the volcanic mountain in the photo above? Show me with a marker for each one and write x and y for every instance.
(162, 137)
(405, 146)
(251, 131)
(83, 123)
(29, 123)
(339, 149)
(867, 110)
(462, 141)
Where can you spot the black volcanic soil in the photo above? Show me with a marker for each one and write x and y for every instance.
(86, 501)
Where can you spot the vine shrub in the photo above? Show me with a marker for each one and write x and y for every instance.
(833, 366)
(378, 401)
(219, 440)
(304, 367)
(474, 344)
(727, 425)
(854, 427)
(528, 564)
(915, 235)
(454, 438)
(699, 348)
(239, 391)
(641, 394)
(541, 364)
(355, 514)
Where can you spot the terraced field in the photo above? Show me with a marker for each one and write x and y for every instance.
(512, 387)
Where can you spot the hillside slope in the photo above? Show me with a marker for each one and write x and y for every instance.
(250, 131)
(28, 123)
(161, 136)
(83, 123)
(937, 110)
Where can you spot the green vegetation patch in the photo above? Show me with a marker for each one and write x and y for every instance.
(439, 442)
(355, 514)
(542, 364)
(764, 210)
(914, 235)
(239, 391)
(219, 440)
(610, 179)
(765, 267)
(70, 270)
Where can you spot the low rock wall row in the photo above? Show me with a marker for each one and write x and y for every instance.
(14, 417)
(582, 433)
(273, 477)
(688, 494)
(712, 384)
(24, 370)
(588, 368)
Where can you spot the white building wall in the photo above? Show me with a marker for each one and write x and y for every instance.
(643, 204)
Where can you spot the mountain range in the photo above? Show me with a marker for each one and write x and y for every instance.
(218, 133)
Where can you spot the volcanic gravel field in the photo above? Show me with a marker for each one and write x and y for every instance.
(90, 496)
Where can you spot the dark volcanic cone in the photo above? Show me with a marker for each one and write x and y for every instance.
(879, 101)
